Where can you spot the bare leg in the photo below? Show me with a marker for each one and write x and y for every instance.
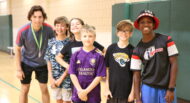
(66, 101)
(24, 93)
(60, 101)
(45, 93)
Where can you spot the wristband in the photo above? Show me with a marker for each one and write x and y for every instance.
(171, 89)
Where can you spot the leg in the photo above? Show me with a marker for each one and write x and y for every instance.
(66, 95)
(45, 93)
(60, 101)
(24, 93)
(42, 77)
(25, 83)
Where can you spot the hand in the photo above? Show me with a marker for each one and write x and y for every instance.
(58, 82)
(20, 74)
(52, 83)
(82, 94)
(108, 94)
(138, 101)
(169, 96)
(131, 97)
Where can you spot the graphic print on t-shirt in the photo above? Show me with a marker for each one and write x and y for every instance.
(121, 58)
(92, 61)
(150, 52)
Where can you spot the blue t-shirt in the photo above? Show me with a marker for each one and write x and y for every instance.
(54, 47)
(30, 50)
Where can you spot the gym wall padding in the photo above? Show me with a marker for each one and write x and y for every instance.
(119, 12)
(5, 32)
(180, 30)
(174, 20)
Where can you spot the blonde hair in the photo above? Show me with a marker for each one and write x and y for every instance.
(123, 24)
(88, 28)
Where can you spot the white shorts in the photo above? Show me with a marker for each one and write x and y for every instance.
(62, 93)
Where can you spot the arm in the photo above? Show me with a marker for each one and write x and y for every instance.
(173, 75)
(137, 83)
(59, 59)
(75, 82)
(108, 92)
(52, 80)
(20, 74)
(63, 76)
(131, 95)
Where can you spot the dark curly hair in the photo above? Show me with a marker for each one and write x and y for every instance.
(34, 9)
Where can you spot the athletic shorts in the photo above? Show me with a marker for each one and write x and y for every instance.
(154, 95)
(61, 93)
(117, 100)
(40, 72)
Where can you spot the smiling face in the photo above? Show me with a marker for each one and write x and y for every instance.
(124, 34)
(75, 26)
(61, 28)
(146, 25)
(37, 19)
(88, 38)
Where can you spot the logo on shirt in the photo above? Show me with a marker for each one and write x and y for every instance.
(150, 52)
(121, 58)
(92, 61)
(78, 62)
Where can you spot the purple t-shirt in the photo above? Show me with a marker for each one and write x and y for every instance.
(86, 66)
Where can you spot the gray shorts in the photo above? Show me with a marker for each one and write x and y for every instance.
(61, 93)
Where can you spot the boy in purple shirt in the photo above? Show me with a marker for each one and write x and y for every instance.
(86, 69)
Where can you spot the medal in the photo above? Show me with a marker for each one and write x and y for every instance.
(39, 54)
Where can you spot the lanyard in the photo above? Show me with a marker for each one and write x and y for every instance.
(39, 44)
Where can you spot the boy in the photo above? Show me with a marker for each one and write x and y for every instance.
(158, 55)
(119, 76)
(86, 69)
(32, 39)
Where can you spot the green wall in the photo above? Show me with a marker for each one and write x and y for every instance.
(175, 20)
(5, 32)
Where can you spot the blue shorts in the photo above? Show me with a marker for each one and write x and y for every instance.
(154, 95)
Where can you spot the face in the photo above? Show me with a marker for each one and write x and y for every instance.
(87, 38)
(37, 19)
(75, 26)
(124, 34)
(146, 25)
(61, 28)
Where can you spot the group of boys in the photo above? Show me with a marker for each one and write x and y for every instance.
(146, 72)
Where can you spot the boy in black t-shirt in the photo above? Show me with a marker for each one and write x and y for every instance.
(158, 55)
(119, 78)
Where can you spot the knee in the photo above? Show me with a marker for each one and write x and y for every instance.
(44, 90)
(25, 89)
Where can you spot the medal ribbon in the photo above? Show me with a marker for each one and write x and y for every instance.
(39, 44)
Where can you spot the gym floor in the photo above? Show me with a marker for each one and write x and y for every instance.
(10, 85)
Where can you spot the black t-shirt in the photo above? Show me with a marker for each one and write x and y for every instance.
(153, 57)
(120, 75)
(73, 46)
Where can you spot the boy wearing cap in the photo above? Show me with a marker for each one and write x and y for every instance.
(158, 55)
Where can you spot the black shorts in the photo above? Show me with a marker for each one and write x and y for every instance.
(41, 73)
(117, 100)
